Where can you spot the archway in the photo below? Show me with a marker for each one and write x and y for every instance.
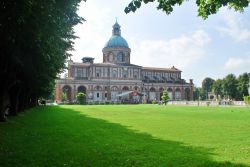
(98, 93)
(136, 88)
(81, 89)
(66, 94)
(126, 98)
(170, 93)
(114, 93)
(125, 88)
(177, 94)
(152, 94)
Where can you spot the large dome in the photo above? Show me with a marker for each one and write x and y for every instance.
(116, 41)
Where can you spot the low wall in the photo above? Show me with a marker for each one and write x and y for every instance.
(207, 103)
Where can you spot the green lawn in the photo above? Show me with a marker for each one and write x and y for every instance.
(127, 135)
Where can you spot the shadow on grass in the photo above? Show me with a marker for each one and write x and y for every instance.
(54, 136)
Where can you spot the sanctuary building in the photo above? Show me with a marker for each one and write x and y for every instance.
(117, 80)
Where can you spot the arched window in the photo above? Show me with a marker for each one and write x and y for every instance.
(120, 57)
(111, 57)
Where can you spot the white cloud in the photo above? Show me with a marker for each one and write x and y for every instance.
(238, 64)
(181, 52)
(91, 32)
(234, 26)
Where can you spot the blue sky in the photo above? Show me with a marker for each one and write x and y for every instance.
(200, 48)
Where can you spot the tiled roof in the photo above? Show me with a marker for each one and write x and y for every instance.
(161, 69)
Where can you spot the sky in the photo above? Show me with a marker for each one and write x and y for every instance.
(214, 47)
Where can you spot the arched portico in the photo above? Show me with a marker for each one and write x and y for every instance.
(170, 93)
(152, 94)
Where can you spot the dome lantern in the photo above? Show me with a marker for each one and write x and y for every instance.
(116, 29)
(116, 50)
(116, 40)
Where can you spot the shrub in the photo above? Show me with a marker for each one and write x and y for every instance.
(154, 102)
(165, 97)
(247, 100)
(81, 98)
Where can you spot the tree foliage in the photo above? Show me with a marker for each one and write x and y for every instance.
(218, 88)
(165, 97)
(205, 8)
(36, 36)
(228, 87)
(207, 85)
(242, 87)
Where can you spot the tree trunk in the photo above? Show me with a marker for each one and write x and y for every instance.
(4, 105)
(14, 99)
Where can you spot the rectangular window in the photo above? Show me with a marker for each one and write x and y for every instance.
(79, 72)
(84, 72)
(98, 72)
(97, 95)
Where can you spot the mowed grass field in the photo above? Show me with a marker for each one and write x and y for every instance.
(126, 136)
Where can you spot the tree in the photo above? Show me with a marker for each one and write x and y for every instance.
(165, 97)
(36, 36)
(197, 93)
(205, 7)
(230, 86)
(242, 87)
(218, 88)
(207, 85)
(81, 98)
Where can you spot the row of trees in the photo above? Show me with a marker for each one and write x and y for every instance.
(35, 38)
(230, 87)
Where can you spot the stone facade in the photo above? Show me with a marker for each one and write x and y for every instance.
(116, 76)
